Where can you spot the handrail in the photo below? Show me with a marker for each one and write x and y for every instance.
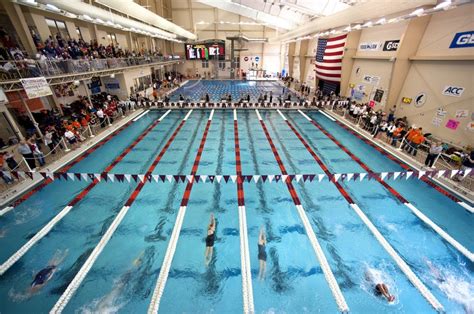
(18, 69)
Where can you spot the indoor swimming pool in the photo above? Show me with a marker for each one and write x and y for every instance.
(196, 90)
(127, 246)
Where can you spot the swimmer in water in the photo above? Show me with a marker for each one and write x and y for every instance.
(374, 277)
(211, 229)
(45, 274)
(262, 254)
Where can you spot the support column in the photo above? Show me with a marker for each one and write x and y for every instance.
(291, 58)
(303, 51)
(12, 122)
(350, 50)
(19, 23)
(408, 47)
(30, 114)
(232, 63)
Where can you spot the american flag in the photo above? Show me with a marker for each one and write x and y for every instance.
(329, 58)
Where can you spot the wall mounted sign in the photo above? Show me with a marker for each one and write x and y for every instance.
(463, 40)
(441, 112)
(406, 100)
(420, 100)
(462, 113)
(391, 45)
(370, 46)
(455, 91)
(378, 95)
(374, 80)
(452, 124)
(436, 121)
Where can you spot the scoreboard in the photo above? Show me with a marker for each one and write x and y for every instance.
(210, 50)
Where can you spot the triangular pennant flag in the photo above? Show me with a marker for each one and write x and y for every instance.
(71, 176)
(169, 178)
(176, 178)
(264, 177)
(211, 178)
(218, 178)
(91, 176)
(454, 172)
(389, 175)
(277, 177)
(233, 178)
(84, 176)
(321, 177)
(256, 178)
(311, 177)
(284, 177)
(383, 175)
(119, 177)
(156, 177)
(182, 178)
(349, 176)
(64, 176)
(356, 176)
(409, 174)
(226, 178)
(43, 174)
(135, 177)
(141, 177)
(336, 176)
(56, 175)
(203, 177)
(395, 175)
(298, 177)
(421, 173)
(270, 177)
(127, 177)
(466, 172)
(161, 177)
(190, 178)
(291, 177)
(362, 176)
(111, 177)
(50, 175)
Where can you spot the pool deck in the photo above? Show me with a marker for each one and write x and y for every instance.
(9, 195)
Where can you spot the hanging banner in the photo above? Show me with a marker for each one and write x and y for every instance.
(36, 87)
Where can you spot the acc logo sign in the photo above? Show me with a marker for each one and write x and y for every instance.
(420, 100)
(463, 40)
(453, 91)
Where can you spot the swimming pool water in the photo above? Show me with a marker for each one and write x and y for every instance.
(123, 277)
(195, 90)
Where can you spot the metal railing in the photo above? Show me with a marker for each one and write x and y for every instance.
(61, 148)
(18, 69)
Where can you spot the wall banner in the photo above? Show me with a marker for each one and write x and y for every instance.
(463, 40)
(36, 87)
(452, 124)
(454, 91)
(391, 45)
(374, 80)
(420, 100)
(462, 113)
(378, 95)
(370, 46)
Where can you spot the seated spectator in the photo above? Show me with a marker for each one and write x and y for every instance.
(71, 137)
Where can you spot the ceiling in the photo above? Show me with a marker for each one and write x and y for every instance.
(282, 15)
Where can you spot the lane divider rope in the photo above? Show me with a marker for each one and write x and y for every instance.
(463, 250)
(171, 249)
(328, 274)
(47, 228)
(70, 164)
(247, 290)
(86, 267)
(388, 248)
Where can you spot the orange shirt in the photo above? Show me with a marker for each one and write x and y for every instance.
(411, 134)
(418, 138)
(397, 132)
(76, 125)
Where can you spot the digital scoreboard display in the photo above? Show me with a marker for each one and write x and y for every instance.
(406, 100)
(205, 51)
